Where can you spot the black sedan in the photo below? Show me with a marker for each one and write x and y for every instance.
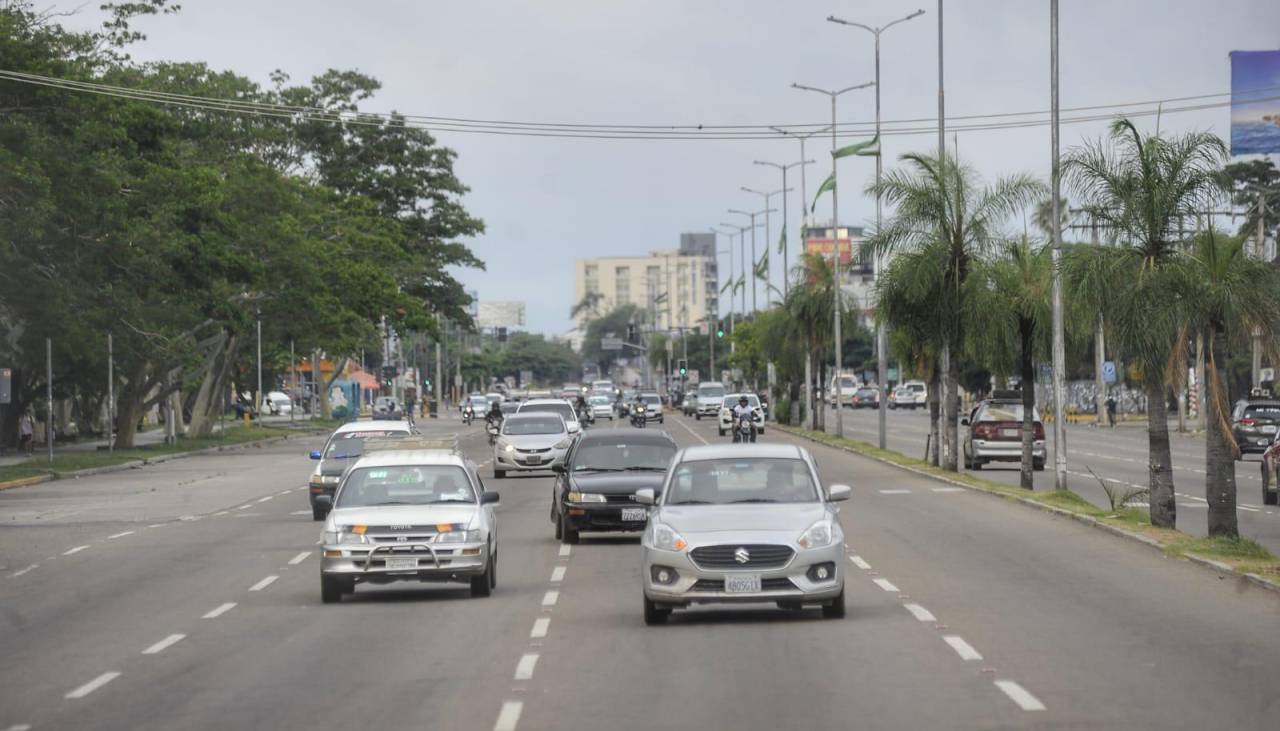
(595, 488)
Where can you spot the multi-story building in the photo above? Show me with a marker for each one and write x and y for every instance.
(857, 273)
(678, 289)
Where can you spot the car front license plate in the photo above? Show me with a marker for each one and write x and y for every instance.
(402, 564)
(742, 583)
(634, 515)
(533, 459)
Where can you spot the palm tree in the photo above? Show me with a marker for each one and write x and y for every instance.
(1139, 186)
(1042, 217)
(1013, 313)
(943, 201)
(809, 303)
(589, 305)
(1230, 295)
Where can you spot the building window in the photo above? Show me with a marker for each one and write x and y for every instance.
(622, 285)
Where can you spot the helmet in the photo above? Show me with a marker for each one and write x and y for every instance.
(742, 400)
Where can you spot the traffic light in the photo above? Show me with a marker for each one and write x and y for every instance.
(502, 334)
(684, 366)
(426, 382)
(719, 331)
(631, 331)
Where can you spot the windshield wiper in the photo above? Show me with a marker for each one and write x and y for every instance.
(755, 500)
(393, 502)
(690, 502)
(597, 469)
(641, 468)
(447, 500)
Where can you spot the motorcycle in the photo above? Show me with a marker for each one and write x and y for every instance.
(744, 430)
(638, 417)
(468, 413)
(492, 428)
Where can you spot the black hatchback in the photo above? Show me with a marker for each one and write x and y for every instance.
(1254, 424)
(595, 487)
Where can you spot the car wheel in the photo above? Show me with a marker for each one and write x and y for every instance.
(1037, 465)
(330, 589)
(317, 512)
(499, 474)
(1269, 496)
(482, 584)
(835, 608)
(760, 430)
(568, 536)
(559, 527)
(654, 615)
(697, 417)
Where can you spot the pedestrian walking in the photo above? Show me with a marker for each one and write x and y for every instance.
(26, 433)
(1111, 410)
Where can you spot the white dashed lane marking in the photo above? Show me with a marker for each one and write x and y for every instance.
(860, 563)
(920, 613)
(93, 685)
(121, 534)
(962, 648)
(264, 499)
(895, 492)
(264, 583)
(301, 512)
(885, 584)
(509, 716)
(550, 598)
(1020, 695)
(299, 558)
(524, 668)
(219, 611)
(77, 549)
(164, 644)
(557, 574)
(27, 570)
(948, 489)
(565, 549)
(540, 626)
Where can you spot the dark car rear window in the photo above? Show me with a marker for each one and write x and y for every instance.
(1265, 411)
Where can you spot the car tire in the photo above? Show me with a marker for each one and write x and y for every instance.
(835, 608)
(330, 589)
(499, 474)
(1270, 497)
(721, 431)
(318, 513)
(1037, 465)
(568, 536)
(482, 584)
(559, 527)
(697, 417)
(654, 615)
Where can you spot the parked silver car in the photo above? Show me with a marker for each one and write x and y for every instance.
(536, 440)
(733, 524)
(409, 515)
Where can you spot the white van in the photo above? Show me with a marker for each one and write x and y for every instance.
(849, 385)
(709, 399)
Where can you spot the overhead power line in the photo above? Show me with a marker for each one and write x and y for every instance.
(901, 127)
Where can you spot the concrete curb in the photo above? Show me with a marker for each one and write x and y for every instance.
(1222, 568)
(139, 463)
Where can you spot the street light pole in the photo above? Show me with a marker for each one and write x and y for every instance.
(837, 336)
(257, 407)
(768, 229)
(785, 225)
(1059, 347)
(882, 329)
(754, 307)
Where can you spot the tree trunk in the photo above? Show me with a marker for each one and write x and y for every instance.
(935, 414)
(1026, 330)
(810, 416)
(1164, 509)
(129, 407)
(1220, 448)
(949, 398)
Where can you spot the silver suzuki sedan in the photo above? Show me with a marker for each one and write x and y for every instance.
(744, 524)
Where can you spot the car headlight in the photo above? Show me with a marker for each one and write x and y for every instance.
(460, 536)
(564, 443)
(330, 479)
(664, 537)
(350, 534)
(586, 497)
(506, 446)
(817, 535)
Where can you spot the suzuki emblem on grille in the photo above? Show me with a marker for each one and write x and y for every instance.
(742, 555)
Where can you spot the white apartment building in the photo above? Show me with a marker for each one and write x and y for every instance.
(679, 289)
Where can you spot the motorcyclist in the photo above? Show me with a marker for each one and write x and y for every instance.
(744, 409)
(580, 405)
(637, 409)
(493, 415)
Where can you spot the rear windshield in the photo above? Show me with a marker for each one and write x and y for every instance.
(1264, 411)
(1004, 412)
(711, 392)
(652, 398)
(724, 481)
(732, 401)
(534, 425)
(405, 485)
(622, 457)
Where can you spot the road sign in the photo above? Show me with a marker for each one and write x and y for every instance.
(611, 343)
(526, 378)
(6, 385)
(891, 374)
(1264, 375)
(1109, 372)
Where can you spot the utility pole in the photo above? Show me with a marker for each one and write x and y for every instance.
(945, 415)
(1099, 351)
(257, 406)
(1260, 246)
(1059, 347)
(48, 380)
(111, 396)
(293, 380)
(837, 335)
(882, 329)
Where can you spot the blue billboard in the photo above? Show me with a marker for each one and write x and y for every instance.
(1255, 102)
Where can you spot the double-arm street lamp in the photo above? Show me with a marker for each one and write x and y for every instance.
(785, 229)
(882, 330)
(835, 237)
(768, 227)
(752, 226)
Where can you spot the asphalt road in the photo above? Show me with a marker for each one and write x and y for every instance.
(1118, 454)
(185, 595)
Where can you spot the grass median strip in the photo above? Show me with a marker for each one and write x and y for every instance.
(1243, 555)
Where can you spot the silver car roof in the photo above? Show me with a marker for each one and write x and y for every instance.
(760, 450)
(410, 458)
(372, 426)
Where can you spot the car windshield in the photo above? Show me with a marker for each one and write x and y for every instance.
(710, 392)
(652, 398)
(866, 391)
(516, 426)
(509, 407)
(619, 456)
(564, 410)
(1004, 412)
(479, 402)
(751, 480)
(599, 400)
(405, 485)
(351, 444)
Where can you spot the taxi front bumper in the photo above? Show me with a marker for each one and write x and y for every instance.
(404, 561)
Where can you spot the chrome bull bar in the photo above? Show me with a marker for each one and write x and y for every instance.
(390, 550)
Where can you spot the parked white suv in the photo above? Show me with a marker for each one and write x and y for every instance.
(910, 395)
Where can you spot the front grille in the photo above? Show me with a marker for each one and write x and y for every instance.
(759, 556)
(395, 539)
(619, 498)
(778, 584)
(533, 451)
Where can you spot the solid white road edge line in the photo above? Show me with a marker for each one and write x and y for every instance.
(219, 611)
(948, 489)
(885, 584)
(1019, 695)
(540, 626)
(509, 716)
(264, 499)
(920, 613)
(549, 599)
(299, 558)
(557, 574)
(962, 648)
(894, 492)
(860, 563)
(162, 645)
(27, 570)
(264, 583)
(70, 551)
(93, 685)
(121, 534)
(524, 668)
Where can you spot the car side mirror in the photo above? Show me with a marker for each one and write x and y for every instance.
(559, 469)
(324, 501)
(839, 493)
(573, 428)
(645, 496)
(488, 498)
(315, 454)
(964, 421)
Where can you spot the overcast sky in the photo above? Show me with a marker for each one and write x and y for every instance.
(547, 202)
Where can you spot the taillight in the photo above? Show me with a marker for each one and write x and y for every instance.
(1039, 431)
(1247, 422)
(983, 430)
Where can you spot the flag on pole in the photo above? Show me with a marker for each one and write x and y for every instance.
(828, 184)
(869, 148)
(761, 268)
(782, 241)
